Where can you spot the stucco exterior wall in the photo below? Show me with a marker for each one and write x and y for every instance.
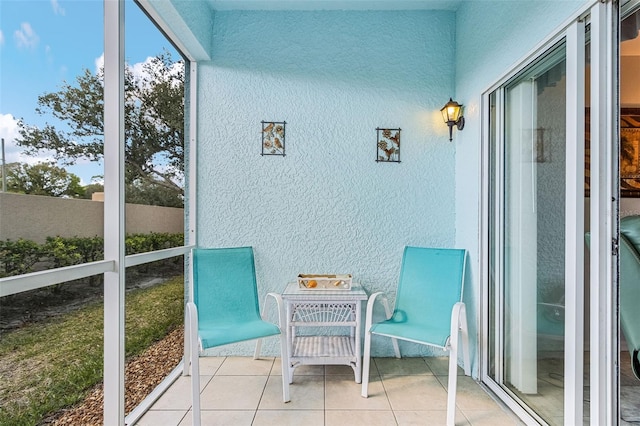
(141, 219)
(35, 218)
(327, 206)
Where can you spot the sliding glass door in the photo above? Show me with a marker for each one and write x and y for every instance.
(528, 158)
(544, 292)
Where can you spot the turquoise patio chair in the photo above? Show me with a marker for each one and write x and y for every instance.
(428, 310)
(630, 287)
(224, 309)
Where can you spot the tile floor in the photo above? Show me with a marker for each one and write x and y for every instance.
(548, 402)
(629, 393)
(243, 391)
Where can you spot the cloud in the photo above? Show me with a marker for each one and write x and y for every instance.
(141, 74)
(1, 38)
(26, 37)
(99, 62)
(48, 53)
(13, 152)
(139, 69)
(57, 9)
(8, 128)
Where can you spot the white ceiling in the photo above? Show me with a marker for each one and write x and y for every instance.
(627, 48)
(335, 4)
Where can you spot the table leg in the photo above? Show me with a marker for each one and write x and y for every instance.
(357, 341)
(290, 336)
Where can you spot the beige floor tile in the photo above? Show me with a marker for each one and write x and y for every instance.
(289, 418)
(245, 366)
(220, 418)
(162, 417)
(428, 418)
(339, 370)
(329, 398)
(402, 366)
(342, 393)
(555, 421)
(209, 365)
(304, 370)
(469, 395)
(440, 366)
(415, 393)
(310, 370)
(178, 396)
(359, 418)
(307, 393)
(374, 374)
(276, 369)
(490, 418)
(375, 388)
(233, 392)
(548, 402)
(630, 403)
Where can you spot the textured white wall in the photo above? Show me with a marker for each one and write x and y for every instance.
(327, 206)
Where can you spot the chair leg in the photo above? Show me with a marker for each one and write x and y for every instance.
(366, 362)
(195, 386)
(454, 338)
(284, 358)
(464, 331)
(186, 358)
(256, 352)
(191, 328)
(396, 348)
(452, 386)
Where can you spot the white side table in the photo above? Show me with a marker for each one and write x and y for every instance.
(324, 308)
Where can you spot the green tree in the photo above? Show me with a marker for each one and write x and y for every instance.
(43, 179)
(154, 124)
(91, 188)
(153, 195)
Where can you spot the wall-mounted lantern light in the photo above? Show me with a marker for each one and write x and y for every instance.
(452, 116)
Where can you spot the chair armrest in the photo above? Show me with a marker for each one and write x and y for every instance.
(458, 309)
(459, 328)
(279, 305)
(191, 317)
(371, 304)
(191, 340)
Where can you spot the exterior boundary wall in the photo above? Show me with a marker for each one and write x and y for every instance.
(34, 217)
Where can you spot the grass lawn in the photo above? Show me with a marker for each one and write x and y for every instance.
(47, 366)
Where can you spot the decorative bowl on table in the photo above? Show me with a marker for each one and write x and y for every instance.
(324, 281)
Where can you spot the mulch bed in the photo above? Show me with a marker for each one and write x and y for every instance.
(142, 374)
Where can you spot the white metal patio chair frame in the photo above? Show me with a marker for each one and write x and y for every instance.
(193, 342)
(458, 329)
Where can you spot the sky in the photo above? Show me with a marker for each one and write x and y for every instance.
(44, 43)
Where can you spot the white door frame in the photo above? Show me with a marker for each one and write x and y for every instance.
(574, 226)
(603, 222)
(604, 334)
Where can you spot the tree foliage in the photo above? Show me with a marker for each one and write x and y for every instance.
(154, 123)
(152, 194)
(43, 179)
(91, 188)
